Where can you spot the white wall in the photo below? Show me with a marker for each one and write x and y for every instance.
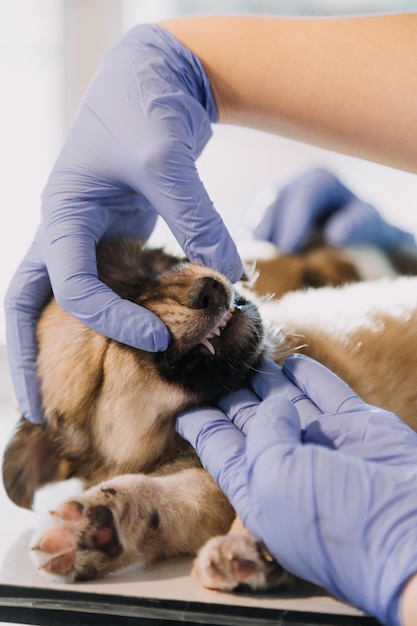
(30, 120)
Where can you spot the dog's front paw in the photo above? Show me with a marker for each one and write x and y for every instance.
(82, 540)
(238, 561)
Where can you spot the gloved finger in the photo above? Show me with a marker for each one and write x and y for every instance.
(179, 196)
(348, 423)
(301, 205)
(240, 407)
(27, 294)
(328, 392)
(72, 267)
(359, 223)
(222, 450)
(273, 471)
(271, 379)
(131, 216)
(278, 422)
(299, 492)
(368, 433)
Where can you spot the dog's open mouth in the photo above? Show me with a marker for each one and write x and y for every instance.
(212, 339)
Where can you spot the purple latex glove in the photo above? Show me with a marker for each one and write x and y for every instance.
(318, 199)
(326, 481)
(129, 156)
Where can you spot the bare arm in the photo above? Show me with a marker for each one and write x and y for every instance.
(409, 603)
(347, 84)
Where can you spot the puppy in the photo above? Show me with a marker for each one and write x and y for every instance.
(110, 417)
(110, 409)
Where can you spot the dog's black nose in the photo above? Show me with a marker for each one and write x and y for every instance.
(211, 294)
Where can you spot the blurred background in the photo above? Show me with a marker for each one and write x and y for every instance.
(49, 50)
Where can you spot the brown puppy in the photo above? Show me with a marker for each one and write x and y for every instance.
(110, 409)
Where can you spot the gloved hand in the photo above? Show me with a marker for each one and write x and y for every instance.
(325, 480)
(315, 199)
(129, 156)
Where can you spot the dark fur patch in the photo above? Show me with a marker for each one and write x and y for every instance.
(31, 460)
(154, 520)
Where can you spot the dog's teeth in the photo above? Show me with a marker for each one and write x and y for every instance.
(208, 345)
(217, 330)
(226, 318)
(229, 314)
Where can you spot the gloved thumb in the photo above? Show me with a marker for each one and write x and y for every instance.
(328, 392)
(277, 428)
(222, 449)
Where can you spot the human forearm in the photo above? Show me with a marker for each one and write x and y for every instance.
(347, 84)
(409, 603)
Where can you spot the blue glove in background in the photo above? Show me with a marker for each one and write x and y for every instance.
(334, 501)
(129, 156)
(318, 198)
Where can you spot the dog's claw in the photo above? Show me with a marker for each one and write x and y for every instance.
(55, 540)
(70, 511)
(108, 491)
(59, 565)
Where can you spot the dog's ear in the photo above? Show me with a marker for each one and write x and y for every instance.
(30, 461)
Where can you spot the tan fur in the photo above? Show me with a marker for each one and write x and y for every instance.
(366, 333)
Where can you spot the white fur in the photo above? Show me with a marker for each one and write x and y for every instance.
(346, 308)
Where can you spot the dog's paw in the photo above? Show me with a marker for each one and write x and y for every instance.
(238, 561)
(81, 541)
